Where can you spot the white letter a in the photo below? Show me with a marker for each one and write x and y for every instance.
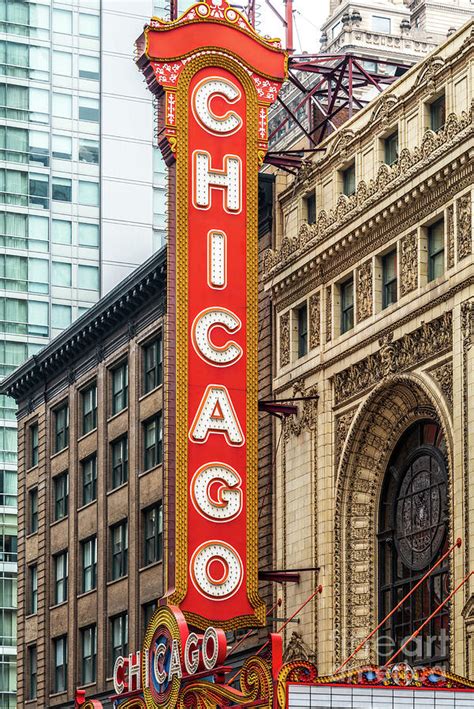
(216, 415)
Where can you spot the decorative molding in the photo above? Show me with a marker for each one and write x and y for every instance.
(315, 320)
(450, 235)
(464, 226)
(388, 180)
(384, 109)
(467, 332)
(430, 72)
(398, 401)
(429, 340)
(285, 339)
(328, 313)
(364, 291)
(343, 424)
(408, 264)
(443, 376)
(306, 420)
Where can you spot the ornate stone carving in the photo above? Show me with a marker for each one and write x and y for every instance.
(315, 320)
(450, 235)
(443, 376)
(408, 264)
(429, 340)
(384, 109)
(409, 164)
(328, 314)
(430, 72)
(306, 419)
(284, 339)
(467, 322)
(341, 143)
(343, 424)
(464, 220)
(364, 290)
(297, 649)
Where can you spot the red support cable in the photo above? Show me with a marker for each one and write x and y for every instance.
(394, 610)
(435, 612)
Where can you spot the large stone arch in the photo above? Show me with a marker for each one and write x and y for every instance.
(390, 408)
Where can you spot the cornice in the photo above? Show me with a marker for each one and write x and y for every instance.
(409, 168)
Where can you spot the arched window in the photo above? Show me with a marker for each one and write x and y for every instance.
(413, 535)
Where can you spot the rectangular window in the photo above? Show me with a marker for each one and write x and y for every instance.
(89, 109)
(61, 146)
(88, 193)
(60, 664)
(38, 147)
(119, 637)
(62, 63)
(34, 444)
(88, 235)
(89, 654)
(38, 187)
(89, 25)
(61, 189)
(62, 21)
(61, 274)
(348, 180)
(88, 277)
(391, 148)
(33, 589)
(62, 105)
(61, 232)
(310, 202)
(302, 324)
(32, 672)
(148, 610)
(153, 534)
(381, 24)
(120, 388)
(119, 462)
(89, 151)
(438, 113)
(89, 67)
(389, 279)
(61, 495)
(33, 510)
(61, 428)
(119, 550)
(89, 480)
(347, 305)
(9, 544)
(89, 564)
(8, 487)
(153, 363)
(61, 316)
(89, 408)
(436, 250)
(60, 577)
(153, 439)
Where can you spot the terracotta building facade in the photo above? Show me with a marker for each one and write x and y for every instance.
(371, 279)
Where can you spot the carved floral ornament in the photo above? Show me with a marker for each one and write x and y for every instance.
(429, 340)
(368, 194)
(306, 419)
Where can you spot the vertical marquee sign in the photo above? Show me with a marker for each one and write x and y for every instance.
(216, 79)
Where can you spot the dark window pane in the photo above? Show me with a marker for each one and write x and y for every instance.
(89, 564)
(89, 409)
(302, 316)
(438, 113)
(347, 305)
(153, 438)
(119, 549)
(120, 388)
(436, 250)
(61, 495)
(348, 181)
(153, 534)
(119, 462)
(153, 356)
(60, 664)
(89, 480)
(389, 279)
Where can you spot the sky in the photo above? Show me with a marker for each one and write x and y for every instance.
(309, 16)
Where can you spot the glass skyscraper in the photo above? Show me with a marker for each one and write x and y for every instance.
(82, 199)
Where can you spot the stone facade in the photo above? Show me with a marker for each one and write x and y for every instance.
(400, 352)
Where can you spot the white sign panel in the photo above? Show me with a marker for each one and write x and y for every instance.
(312, 697)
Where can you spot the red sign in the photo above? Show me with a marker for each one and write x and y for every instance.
(216, 99)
